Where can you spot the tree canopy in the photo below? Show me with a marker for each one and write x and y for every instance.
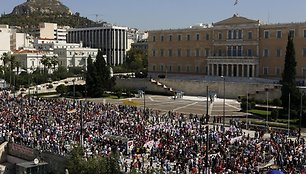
(100, 165)
(288, 78)
(98, 78)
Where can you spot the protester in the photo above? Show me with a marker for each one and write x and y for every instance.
(144, 139)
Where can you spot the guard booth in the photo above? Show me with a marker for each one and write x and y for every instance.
(212, 96)
(140, 93)
(178, 94)
(32, 168)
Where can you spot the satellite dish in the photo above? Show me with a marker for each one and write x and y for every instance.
(36, 161)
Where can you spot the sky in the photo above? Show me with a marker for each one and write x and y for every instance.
(174, 14)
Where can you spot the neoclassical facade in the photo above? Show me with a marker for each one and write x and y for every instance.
(234, 47)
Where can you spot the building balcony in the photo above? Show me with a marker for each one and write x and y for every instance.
(232, 59)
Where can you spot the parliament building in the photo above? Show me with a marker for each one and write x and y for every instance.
(234, 47)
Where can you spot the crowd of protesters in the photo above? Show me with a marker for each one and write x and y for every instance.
(148, 139)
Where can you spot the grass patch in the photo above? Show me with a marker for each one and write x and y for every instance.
(260, 112)
(274, 124)
(131, 102)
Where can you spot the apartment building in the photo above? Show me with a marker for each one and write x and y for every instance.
(234, 47)
(50, 31)
(112, 40)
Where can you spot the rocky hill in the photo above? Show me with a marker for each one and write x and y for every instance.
(41, 7)
(29, 14)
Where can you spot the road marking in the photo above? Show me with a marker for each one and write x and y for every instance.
(232, 106)
(151, 98)
(185, 106)
(210, 108)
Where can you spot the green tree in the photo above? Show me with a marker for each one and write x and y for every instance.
(98, 165)
(136, 60)
(90, 76)
(46, 62)
(288, 78)
(5, 58)
(61, 89)
(98, 77)
(54, 62)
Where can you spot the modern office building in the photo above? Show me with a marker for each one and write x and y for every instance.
(235, 47)
(112, 40)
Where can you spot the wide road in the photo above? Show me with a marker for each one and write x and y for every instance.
(187, 104)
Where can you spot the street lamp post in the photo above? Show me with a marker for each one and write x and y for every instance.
(223, 119)
(73, 82)
(289, 116)
(247, 110)
(267, 116)
(301, 113)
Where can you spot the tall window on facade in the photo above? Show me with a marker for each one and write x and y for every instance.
(234, 34)
(188, 36)
(220, 36)
(250, 35)
(207, 36)
(229, 51)
(239, 51)
(170, 37)
(219, 52)
(161, 38)
(198, 36)
(179, 52)
(278, 34)
(229, 34)
(206, 52)
(250, 53)
(278, 52)
(188, 53)
(188, 69)
(161, 52)
(197, 52)
(153, 68)
(234, 51)
(197, 69)
(179, 68)
(153, 38)
(304, 52)
(304, 34)
(265, 70)
(170, 52)
(179, 37)
(304, 72)
(239, 34)
(266, 34)
(153, 53)
(161, 67)
(265, 52)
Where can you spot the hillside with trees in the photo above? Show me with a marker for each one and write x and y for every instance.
(28, 15)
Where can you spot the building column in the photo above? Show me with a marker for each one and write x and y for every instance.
(253, 71)
(222, 70)
(248, 70)
(227, 66)
(242, 69)
(212, 69)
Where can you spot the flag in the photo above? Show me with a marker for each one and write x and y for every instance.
(236, 2)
